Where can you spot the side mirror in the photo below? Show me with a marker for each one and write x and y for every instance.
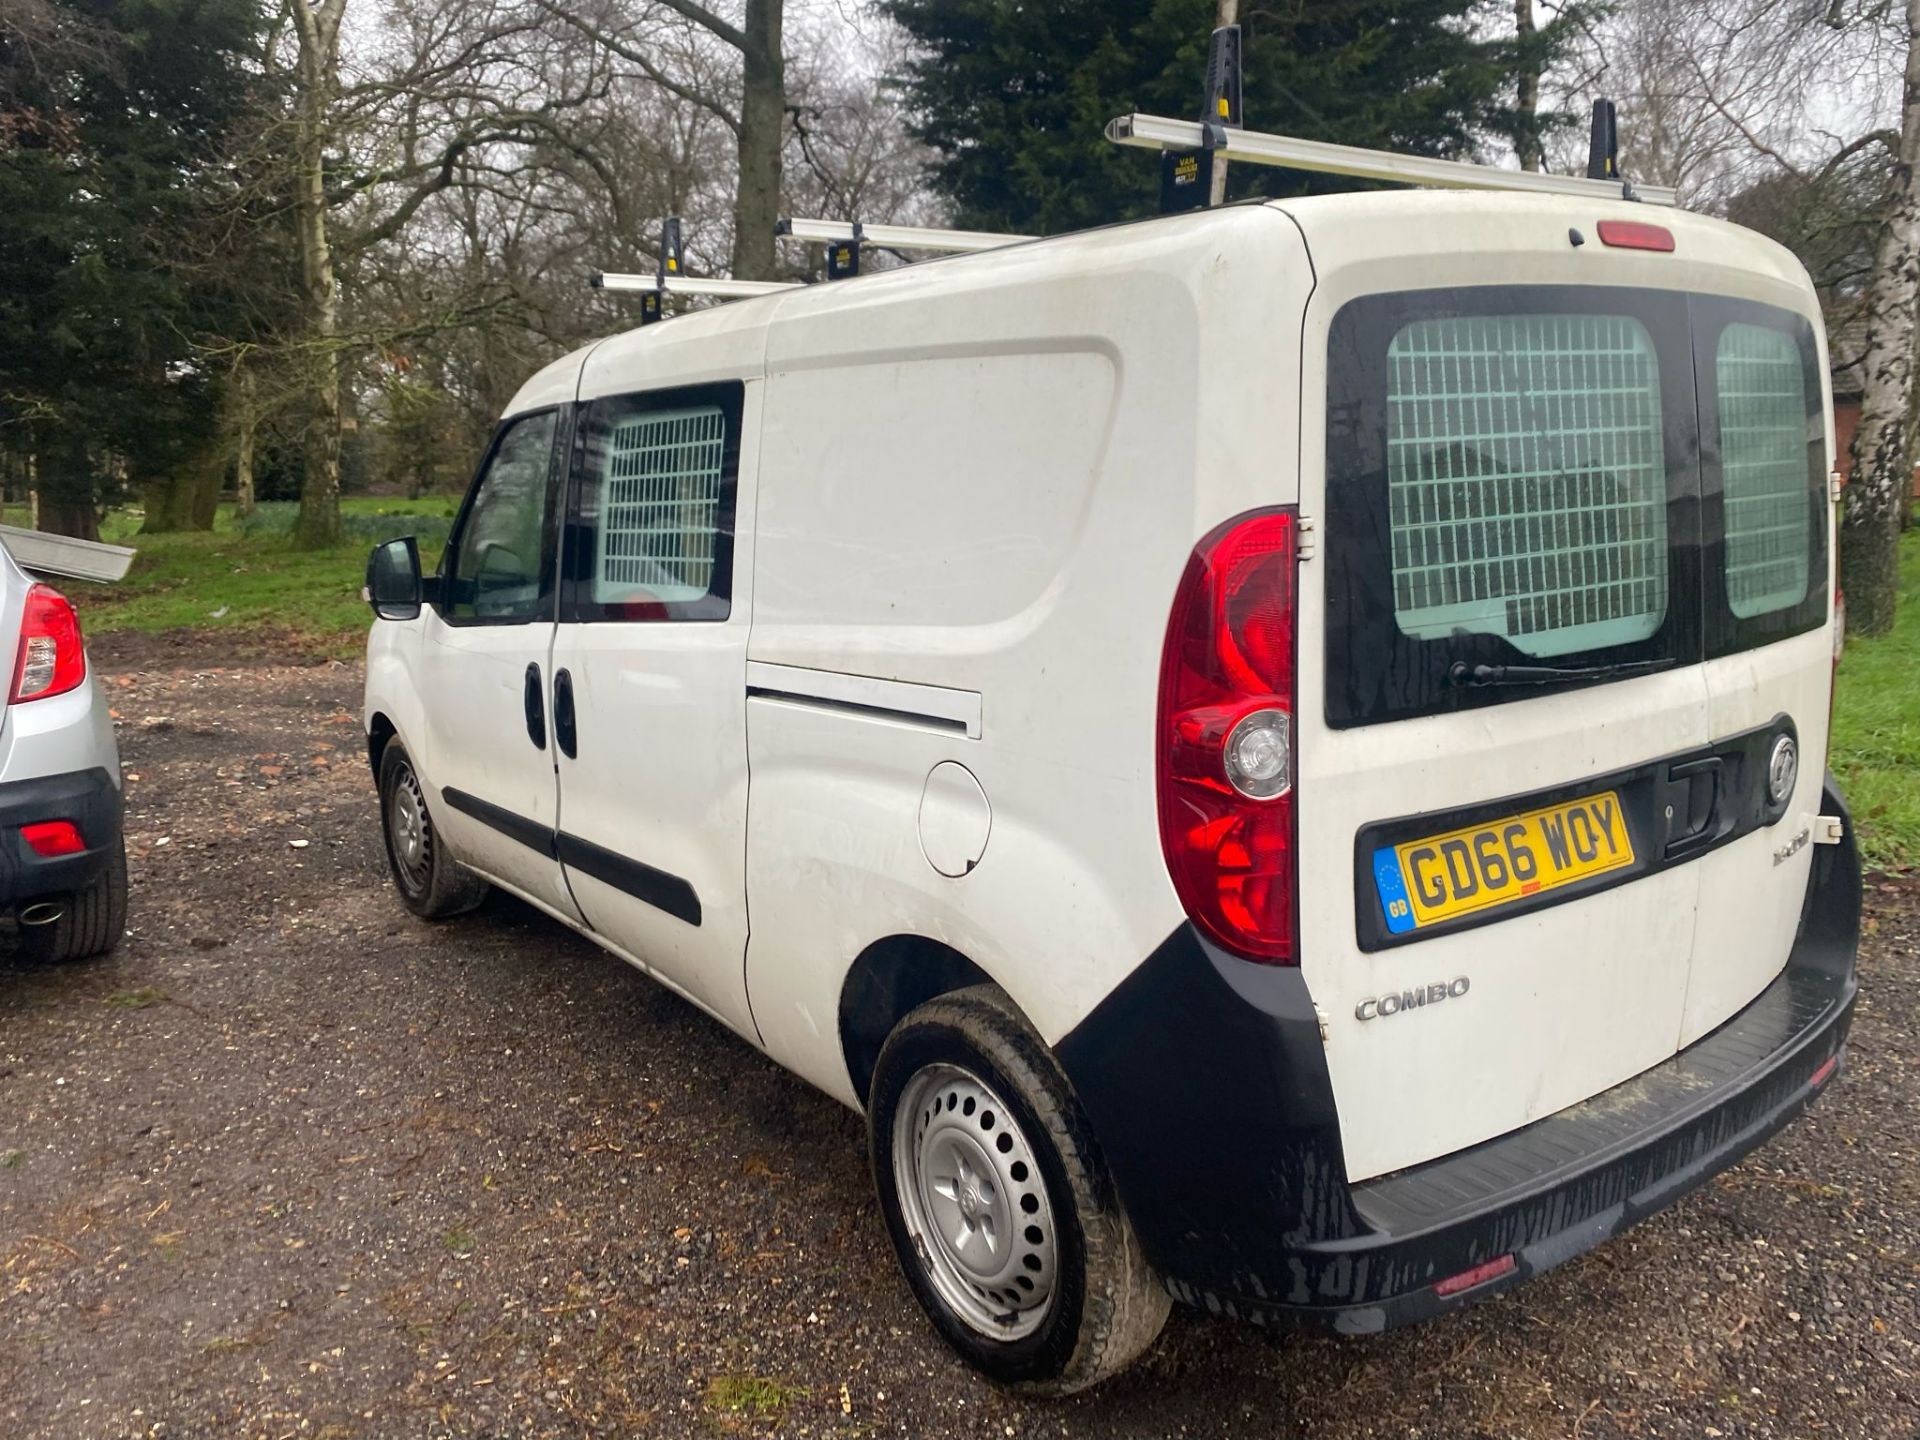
(393, 579)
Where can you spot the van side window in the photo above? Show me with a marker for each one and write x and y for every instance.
(1526, 480)
(650, 525)
(1763, 457)
(496, 569)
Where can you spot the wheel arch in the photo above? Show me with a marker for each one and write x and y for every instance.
(887, 981)
(380, 730)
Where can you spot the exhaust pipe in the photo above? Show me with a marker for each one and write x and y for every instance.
(43, 912)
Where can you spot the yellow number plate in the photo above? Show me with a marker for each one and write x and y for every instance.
(1423, 882)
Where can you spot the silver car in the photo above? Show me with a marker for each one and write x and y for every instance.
(63, 865)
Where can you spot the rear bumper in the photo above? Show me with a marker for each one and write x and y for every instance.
(88, 798)
(1228, 1160)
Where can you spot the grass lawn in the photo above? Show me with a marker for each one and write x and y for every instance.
(248, 579)
(1876, 728)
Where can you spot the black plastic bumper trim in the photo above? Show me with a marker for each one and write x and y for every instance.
(90, 799)
(1205, 1080)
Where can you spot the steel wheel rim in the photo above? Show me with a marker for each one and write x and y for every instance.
(975, 1203)
(409, 833)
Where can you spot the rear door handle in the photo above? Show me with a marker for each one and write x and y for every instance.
(564, 733)
(1692, 803)
(536, 709)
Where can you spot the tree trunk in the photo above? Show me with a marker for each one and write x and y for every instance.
(763, 131)
(203, 489)
(161, 505)
(318, 524)
(65, 492)
(1526, 130)
(1882, 442)
(246, 425)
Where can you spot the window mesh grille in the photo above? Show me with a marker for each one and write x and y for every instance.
(659, 505)
(1527, 481)
(1763, 456)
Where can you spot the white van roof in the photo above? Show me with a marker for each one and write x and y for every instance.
(1354, 231)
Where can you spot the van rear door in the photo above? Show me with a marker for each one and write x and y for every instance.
(1768, 578)
(1523, 755)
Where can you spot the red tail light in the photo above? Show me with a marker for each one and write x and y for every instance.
(48, 838)
(52, 660)
(1226, 753)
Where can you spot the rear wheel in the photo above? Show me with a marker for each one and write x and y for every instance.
(998, 1203)
(90, 921)
(432, 884)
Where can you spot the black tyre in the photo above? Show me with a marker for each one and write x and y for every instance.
(999, 1204)
(432, 884)
(90, 922)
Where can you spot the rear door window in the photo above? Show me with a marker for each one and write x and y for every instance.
(1526, 484)
(1763, 446)
(1512, 479)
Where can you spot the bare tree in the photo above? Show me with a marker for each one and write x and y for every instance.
(756, 112)
(1526, 100)
(1882, 477)
(316, 82)
(1722, 98)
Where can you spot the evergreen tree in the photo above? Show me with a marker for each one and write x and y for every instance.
(1015, 96)
(110, 116)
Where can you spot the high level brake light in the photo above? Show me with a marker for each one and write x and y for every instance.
(1226, 763)
(1635, 235)
(51, 659)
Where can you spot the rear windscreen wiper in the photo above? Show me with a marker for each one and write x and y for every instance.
(1464, 674)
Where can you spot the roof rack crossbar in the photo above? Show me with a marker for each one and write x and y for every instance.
(1254, 147)
(896, 237)
(687, 285)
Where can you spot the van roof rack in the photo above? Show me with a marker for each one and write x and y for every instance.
(1255, 147)
(845, 239)
(669, 279)
(1190, 150)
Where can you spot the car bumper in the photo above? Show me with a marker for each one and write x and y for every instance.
(89, 799)
(1229, 1163)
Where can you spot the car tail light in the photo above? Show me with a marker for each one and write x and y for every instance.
(1226, 752)
(52, 660)
(1635, 235)
(48, 838)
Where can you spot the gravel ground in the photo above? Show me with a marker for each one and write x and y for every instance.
(291, 1164)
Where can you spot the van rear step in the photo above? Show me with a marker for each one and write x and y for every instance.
(1637, 1138)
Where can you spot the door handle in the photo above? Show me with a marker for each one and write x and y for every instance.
(536, 709)
(1692, 804)
(563, 731)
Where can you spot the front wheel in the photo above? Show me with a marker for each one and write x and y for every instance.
(432, 884)
(999, 1204)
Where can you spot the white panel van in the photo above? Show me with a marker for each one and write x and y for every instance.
(1275, 753)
